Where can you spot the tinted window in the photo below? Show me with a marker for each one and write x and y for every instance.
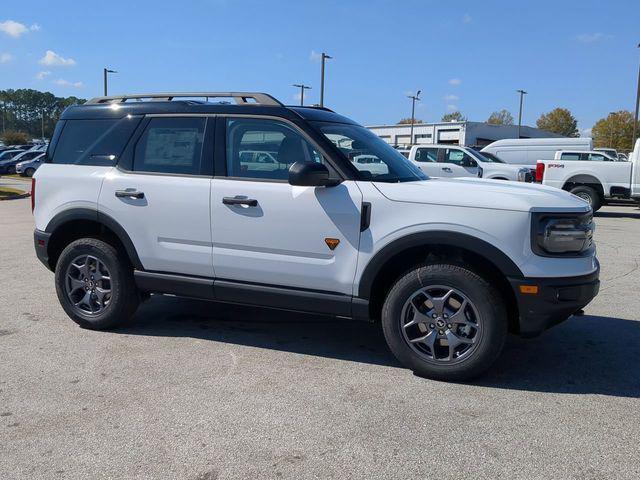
(93, 142)
(171, 145)
(427, 155)
(265, 149)
(570, 156)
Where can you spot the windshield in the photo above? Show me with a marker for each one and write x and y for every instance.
(374, 158)
(488, 157)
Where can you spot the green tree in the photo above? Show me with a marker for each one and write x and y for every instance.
(503, 117)
(23, 110)
(11, 137)
(614, 131)
(407, 121)
(454, 117)
(560, 121)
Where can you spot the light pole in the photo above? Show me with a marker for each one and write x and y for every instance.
(612, 117)
(522, 94)
(105, 72)
(323, 58)
(43, 125)
(413, 98)
(302, 88)
(635, 118)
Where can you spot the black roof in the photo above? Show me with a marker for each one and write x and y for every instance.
(119, 110)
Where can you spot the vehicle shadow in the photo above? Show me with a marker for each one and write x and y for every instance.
(630, 214)
(584, 355)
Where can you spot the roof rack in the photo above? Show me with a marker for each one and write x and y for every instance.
(241, 98)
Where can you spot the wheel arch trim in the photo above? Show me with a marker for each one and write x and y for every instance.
(464, 241)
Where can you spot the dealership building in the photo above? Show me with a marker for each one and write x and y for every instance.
(470, 134)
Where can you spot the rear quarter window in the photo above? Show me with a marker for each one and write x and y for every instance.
(93, 142)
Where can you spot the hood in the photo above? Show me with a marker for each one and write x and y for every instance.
(479, 193)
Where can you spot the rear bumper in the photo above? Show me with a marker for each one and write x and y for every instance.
(557, 299)
(41, 244)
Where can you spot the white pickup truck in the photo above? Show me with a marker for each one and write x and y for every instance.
(453, 161)
(593, 181)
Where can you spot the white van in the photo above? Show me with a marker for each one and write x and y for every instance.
(527, 151)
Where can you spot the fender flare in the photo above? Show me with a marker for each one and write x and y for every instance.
(74, 214)
(450, 239)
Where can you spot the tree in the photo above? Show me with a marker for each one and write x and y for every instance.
(503, 117)
(560, 121)
(23, 110)
(407, 121)
(614, 131)
(454, 117)
(11, 137)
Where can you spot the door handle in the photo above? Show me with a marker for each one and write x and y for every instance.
(249, 202)
(447, 169)
(129, 193)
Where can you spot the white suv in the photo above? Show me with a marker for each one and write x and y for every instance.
(168, 196)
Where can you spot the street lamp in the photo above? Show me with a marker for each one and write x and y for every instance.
(522, 94)
(413, 98)
(106, 71)
(42, 125)
(612, 117)
(323, 58)
(302, 88)
(635, 119)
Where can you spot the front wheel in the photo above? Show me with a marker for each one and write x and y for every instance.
(95, 284)
(444, 322)
(589, 195)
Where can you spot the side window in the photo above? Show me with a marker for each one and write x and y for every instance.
(571, 156)
(265, 149)
(171, 145)
(427, 155)
(597, 157)
(457, 157)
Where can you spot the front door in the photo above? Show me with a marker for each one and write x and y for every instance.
(162, 202)
(269, 232)
(457, 163)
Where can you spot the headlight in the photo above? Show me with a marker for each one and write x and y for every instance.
(561, 234)
(525, 175)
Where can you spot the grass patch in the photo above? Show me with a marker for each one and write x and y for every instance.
(7, 193)
(15, 176)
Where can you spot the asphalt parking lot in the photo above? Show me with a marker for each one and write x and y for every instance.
(198, 390)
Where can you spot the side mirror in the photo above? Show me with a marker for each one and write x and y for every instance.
(310, 174)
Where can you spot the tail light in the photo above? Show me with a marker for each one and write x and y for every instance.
(33, 193)
(539, 172)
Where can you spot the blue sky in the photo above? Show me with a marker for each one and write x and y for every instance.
(465, 55)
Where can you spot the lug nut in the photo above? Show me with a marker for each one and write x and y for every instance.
(449, 325)
(434, 315)
(444, 316)
(431, 325)
(441, 332)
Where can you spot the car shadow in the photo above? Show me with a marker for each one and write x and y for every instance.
(631, 214)
(584, 355)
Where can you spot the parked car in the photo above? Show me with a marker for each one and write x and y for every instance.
(9, 165)
(611, 152)
(455, 162)
(28, 167)
(585, 155)
(154, 198)
(6, 160)
(593, 181)
(527, 151)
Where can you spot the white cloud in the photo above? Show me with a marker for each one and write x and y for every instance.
(455, 81)
(5, 57)
(42, 74)
(315, 56)
(35, 27)
(466, 18)
(452, 108)
(451, 98)
(52, 59)
(13, 29)
(585, 132)
(591, 37)
(66, 83)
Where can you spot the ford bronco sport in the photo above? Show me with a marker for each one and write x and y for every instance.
(256, 203)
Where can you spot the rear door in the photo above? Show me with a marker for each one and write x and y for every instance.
(159, 194)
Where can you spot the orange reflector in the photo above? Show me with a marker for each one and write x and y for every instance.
(529, 289)
(332, 243)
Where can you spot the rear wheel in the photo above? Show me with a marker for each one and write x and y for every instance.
(444, 322)
(95, 284)
(29, 172)
(589, 195)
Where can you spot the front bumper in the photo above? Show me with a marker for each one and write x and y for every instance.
(557, 299)
(41, 243)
